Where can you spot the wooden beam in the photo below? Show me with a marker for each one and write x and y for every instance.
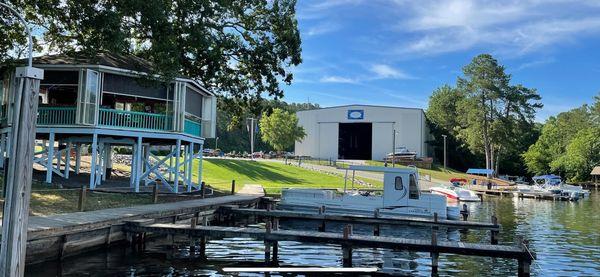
(18, 184)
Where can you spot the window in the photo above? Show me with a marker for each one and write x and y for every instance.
(413, 188)
(398, 183)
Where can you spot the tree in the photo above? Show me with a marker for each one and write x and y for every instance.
(582, 154)
(280, 129)
(240, 49)
(443, 108)
(557, 133)
(492, 109)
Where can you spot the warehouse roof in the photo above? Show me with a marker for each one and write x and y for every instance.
(361, 105)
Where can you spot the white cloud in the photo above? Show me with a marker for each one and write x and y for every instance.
(322, 28)
(535, 63)
(338, 79)
(506, 27)
(383, 71)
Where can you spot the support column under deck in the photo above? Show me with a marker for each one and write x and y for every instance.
(177, 164)
(138, 164)
(50, 153)
(77, 157)
(68, 160)
(94, 161)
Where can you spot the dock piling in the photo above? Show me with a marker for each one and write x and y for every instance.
(81, 202)
(232, 187)
(347, 247)
(202, 189)
(434, 255)
(494, 233)
(157, 183)
(465, 212)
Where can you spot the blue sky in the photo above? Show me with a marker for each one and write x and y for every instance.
(397, 52)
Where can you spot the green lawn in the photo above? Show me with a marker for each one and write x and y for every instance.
(273, 176)
(436, 172)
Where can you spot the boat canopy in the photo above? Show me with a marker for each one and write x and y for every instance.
(550, 176)
(481, 171)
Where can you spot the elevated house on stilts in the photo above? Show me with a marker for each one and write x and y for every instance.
(112, 101)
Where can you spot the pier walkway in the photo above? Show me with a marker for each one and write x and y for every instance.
(67, 234)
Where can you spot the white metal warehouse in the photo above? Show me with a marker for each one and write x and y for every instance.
(361, 132)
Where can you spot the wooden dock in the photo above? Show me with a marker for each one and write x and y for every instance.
(348, 241)
(61, 235)
(365, 219)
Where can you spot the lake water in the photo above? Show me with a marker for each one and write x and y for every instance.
(565, 236)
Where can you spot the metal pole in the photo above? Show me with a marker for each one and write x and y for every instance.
(444, 151)
(251, 138)
(394, 149)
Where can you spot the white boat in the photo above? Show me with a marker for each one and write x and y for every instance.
(401, 196)
(456, 193)
(552, 185)
(402, 153)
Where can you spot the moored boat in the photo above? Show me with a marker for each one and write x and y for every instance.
(401, 196)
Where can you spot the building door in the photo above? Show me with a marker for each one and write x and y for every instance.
(355, 141)
(89, 96)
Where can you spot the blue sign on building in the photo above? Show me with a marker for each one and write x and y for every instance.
(356, 114)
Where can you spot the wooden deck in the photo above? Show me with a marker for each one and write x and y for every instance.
(72, 233)
(364, 219)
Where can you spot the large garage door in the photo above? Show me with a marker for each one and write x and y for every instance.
(355, 141)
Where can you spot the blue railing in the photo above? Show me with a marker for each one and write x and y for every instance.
(56, 116)
(134, 120)
(192, 127)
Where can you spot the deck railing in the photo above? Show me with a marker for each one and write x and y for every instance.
(134, 120)
(56, 116)
(64, 116)
(192, 127)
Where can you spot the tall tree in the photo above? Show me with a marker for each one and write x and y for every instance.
(493, 109)
(240, 49)
(280, 129)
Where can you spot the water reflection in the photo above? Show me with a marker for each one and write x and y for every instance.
(565, 236)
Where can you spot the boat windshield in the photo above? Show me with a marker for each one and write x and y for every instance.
(413, 187)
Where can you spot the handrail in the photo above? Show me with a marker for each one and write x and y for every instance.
(136, 120)
(56, 116)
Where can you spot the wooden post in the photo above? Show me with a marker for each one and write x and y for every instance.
(376, 230)
(194, 221)
(202, 189)
(434, 255)
(268, 244)
(18, 174)
(203, 247)
(232, 187)
(68, 160)
(81, 202)
(465, 212)
(494, 233)
(346, 247)
(157, 183)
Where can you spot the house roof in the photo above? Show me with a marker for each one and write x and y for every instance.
(596, 170)
(129, 62)
(117, 61)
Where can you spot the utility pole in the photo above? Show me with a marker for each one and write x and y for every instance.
(18, 174)
(394, 148)
(444, 152)
(251, 130)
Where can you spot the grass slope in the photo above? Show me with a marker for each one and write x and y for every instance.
(273, 176)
